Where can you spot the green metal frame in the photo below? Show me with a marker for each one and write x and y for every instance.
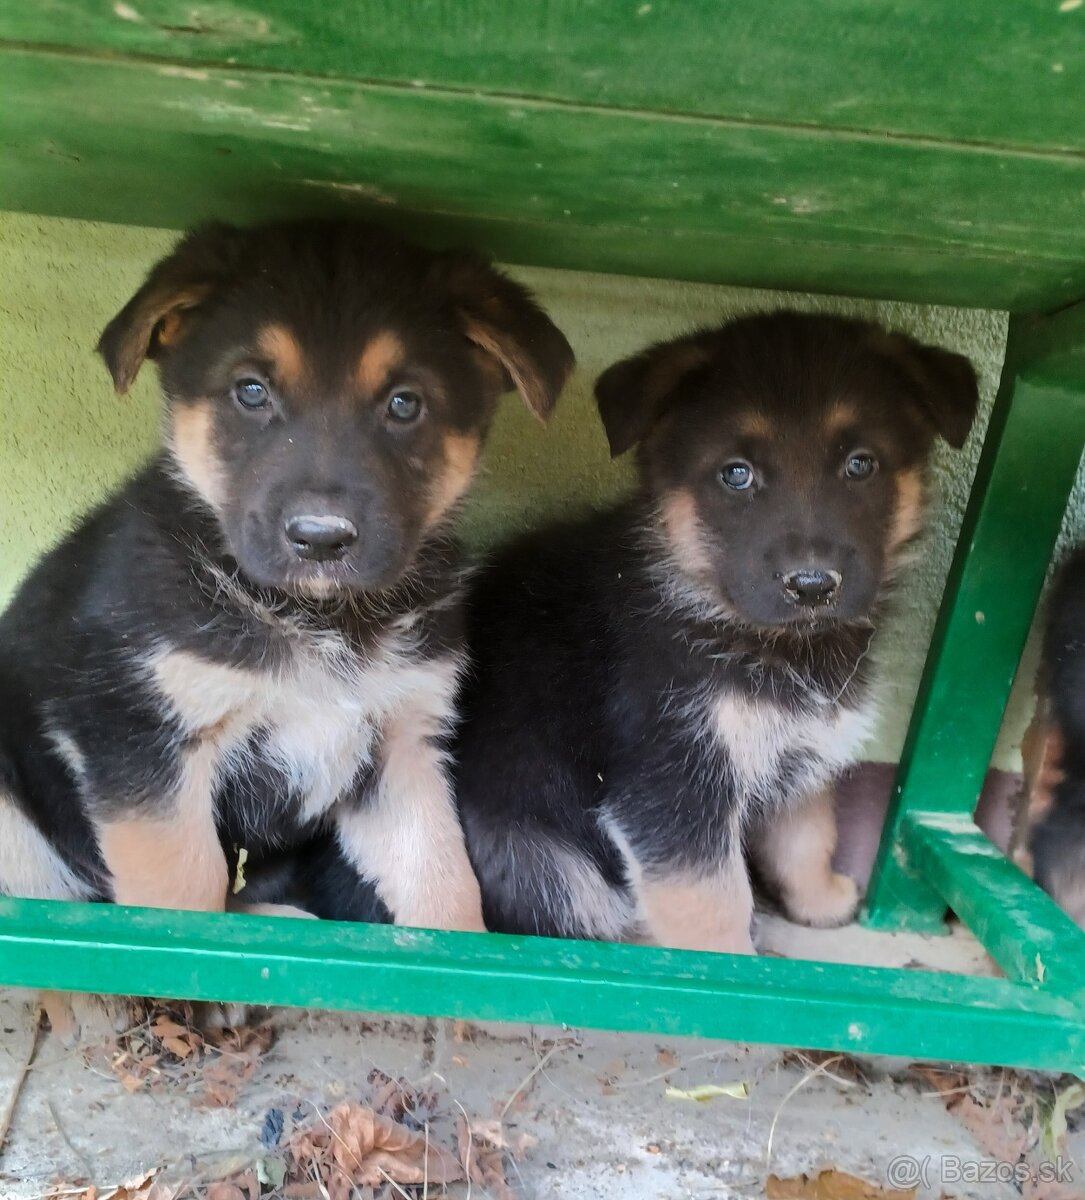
(933, 856)
(727, 156)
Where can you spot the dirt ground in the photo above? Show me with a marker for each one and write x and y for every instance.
(546, 1112)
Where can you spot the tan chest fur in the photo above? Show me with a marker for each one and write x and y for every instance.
(764, 743)
(319, 717)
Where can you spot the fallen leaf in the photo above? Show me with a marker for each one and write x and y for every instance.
(709, 1091)
(225, 1191)
(1055, 1126)
(239, 872)
(667, 1058)
(831, 1185)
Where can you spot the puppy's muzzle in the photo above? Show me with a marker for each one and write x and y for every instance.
(812, 587)
(320, 538)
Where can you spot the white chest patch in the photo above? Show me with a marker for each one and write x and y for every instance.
(318, 719)
(774, 754)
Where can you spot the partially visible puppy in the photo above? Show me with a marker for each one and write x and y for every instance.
(1056, 842)
(662, 689)
(261, 634)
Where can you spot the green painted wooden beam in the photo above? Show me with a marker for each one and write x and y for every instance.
(493, 977)
(1027, 467)
(1028, 935)
(545, 182)
(981, 71)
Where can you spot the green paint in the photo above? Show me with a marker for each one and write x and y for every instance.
(547, 183)
(1029, 937)
(493, 977)
(1029, 462)
(988, 71)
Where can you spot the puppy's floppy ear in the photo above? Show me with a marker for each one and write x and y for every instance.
(502, 318)
(157, 314)
(632, 394)
(943, 383)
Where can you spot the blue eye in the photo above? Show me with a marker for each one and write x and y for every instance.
(860, 466)
(738, 476)
(404, 406)
(251, 393)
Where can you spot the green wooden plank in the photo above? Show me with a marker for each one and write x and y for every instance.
(492, 977)
(1027, 467)
(986, 70)
(546, 183)
(1022, 929)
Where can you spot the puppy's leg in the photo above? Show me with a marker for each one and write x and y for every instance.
(170, 857)
(707, 908)
(405, 836)
(795, 851)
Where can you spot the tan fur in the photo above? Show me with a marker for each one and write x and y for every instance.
(685, 536)
(461, 457)
(284, 353)
(382, 355)
(709, 911)
(162, 311)
(687, 912)
(755, 425)
(532, 390)
(191, 442)
(842, 416)
(795, 851)
(908, 513)
(408, 839)
(756, 735)
(171, 859)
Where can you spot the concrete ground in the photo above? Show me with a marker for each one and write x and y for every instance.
(583, 1114)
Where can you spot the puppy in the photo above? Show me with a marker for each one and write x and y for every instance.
(660, 689)
(1057, 813)
(262, 632)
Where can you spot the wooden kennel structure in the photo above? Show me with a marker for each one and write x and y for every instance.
(914, 151)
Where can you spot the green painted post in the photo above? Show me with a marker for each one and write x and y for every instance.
(1027, 468)
(1022, 929)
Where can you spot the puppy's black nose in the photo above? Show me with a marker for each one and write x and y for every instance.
(321, 538)
(812, 587)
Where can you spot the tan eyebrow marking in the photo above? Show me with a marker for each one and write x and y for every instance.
(840, 416)
(379, 359)
(756, 425)
(282, 350)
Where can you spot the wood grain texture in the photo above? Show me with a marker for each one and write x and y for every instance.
(545, 183)
(986, 70)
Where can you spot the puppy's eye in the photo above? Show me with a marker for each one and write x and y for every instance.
(404, 406)
(737, 476)
(860, 465)
(251, 393)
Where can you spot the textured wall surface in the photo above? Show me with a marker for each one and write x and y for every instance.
(66, 439)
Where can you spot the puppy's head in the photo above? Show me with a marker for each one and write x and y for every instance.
(786, 454)
(328, 389)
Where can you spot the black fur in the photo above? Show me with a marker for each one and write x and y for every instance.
(194, 560)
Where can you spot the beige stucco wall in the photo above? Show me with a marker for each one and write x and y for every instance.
(66, 439)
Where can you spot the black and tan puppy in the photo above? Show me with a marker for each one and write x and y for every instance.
(261, 634)
(1056, 842)
(664, 688)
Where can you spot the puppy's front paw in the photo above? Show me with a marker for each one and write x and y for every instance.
(80, 1018)
(832, 902)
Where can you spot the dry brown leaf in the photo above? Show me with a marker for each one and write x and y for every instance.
(225, 1191)
(368, 1148)
(667, 1058)
(831, 1185)
(945, 1083)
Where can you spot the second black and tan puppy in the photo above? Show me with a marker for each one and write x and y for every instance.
(261, 633)
(663, 688)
